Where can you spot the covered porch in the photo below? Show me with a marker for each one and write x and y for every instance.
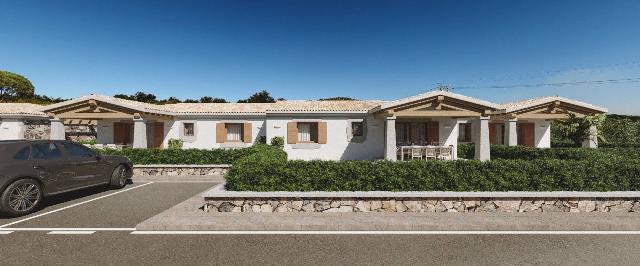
(118, 122)
(431, 125)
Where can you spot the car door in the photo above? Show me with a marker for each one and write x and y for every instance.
(89, 169)
(51, 166)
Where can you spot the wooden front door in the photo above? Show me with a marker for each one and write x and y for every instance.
(158, 134)
(493, 132)
(121, 133)
(526, 134)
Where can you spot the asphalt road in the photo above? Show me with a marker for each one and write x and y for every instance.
(121, 248)
(128, 208)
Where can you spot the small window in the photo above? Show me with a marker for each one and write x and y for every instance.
(308, 132)
(357, 129)
(45, 151)
(234, 132)
(78, 151)
(23, 154)
(189, 129)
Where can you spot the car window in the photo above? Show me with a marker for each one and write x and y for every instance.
(23, 154)
(45, 151)
(78, 151)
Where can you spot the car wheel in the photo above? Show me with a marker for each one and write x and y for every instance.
(21, 197)
(119, 177)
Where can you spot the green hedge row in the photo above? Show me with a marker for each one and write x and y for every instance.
(466, 151)
(180, 156)
(270, 172)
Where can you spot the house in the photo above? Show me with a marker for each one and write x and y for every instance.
(330, 130)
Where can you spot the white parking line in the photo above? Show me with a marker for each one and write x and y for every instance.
(73, 205)
(385, 232)
(64, 229)
(5, 232)
(71, 232)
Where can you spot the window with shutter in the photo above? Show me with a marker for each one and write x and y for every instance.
(234, 132)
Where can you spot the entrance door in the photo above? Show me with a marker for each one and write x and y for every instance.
(121, 133)
(158, 134)
(526, 134)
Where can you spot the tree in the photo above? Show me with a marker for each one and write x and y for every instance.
(259, 97)
(208, 99)
(339, 98)
(190, 101)
(578, 129)
(171, 100)
(14, 86)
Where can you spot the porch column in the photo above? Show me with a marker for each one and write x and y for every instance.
(390, 139)
(483, 148)
(511, 132)
(139, 133)
(11, 129)
(592, 140)
(57, 129)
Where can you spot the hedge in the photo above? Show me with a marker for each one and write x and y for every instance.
(182, 156)
(466, 151)
(270, 171)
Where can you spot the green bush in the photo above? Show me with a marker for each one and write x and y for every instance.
(617, 131)
(277, 142)
(175, 144)
(272, 173)
(184, 156)
(466, 151)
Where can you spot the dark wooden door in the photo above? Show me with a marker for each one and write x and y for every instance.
(158, 134)
(493, 131)
(121, 133)
(526, 134)
(433, 132)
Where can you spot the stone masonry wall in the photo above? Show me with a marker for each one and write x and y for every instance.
(217, 170)
(424, 205)
(37, 129)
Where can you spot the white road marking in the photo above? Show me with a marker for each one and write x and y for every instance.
(71, 232)
(5, 232)
(385, 233)
(64, 229)
(73, 205)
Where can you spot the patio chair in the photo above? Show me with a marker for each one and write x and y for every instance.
(416, 153)
(445, 153)
(430, 153)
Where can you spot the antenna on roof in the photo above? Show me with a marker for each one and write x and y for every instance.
(442, 87)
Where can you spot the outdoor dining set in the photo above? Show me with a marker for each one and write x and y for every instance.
(407, 152)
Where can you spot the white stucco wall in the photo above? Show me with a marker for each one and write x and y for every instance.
(338, 147)
(542, 134)
(11, 129)
(205, 130)
(449, 134)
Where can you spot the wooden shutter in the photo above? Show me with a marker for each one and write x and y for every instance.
(292, 132)
(246, 133)
(158, 134)
(526, 134)
(467, 132)
(118, 133)
(221, 133)
(433, 132)
(322, 132)
(493, 131)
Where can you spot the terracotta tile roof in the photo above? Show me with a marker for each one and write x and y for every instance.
(216, 108)
(303, 106)
(519, 105)
(21, 109)
(434, 93)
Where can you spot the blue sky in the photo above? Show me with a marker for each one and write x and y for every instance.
(315, 49)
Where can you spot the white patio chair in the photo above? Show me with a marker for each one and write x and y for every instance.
(431, 153)
(416, 153)
(446, 153)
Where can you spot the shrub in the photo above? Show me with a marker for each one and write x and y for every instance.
(175, 144)
(466, 151)
(277, 142)
(272, 173)
(184, 156)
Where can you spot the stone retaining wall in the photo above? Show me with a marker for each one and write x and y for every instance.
(180, 170)
(464, 205)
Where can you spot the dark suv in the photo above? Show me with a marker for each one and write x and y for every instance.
(31, 170)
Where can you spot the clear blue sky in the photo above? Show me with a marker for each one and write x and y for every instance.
(314, 49)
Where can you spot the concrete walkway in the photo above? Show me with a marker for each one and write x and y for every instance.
(187, 216)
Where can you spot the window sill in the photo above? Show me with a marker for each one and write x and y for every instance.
(235, 144)
(306, 146)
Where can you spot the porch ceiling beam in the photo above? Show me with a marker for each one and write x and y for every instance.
(544, 116)
(436, 113)
(94, 116)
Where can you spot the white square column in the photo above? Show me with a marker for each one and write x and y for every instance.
(390, 139)
(511, 132)
(57, 129)
(139, 133)
(483, 146)
(592, 140)
(11, 129)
